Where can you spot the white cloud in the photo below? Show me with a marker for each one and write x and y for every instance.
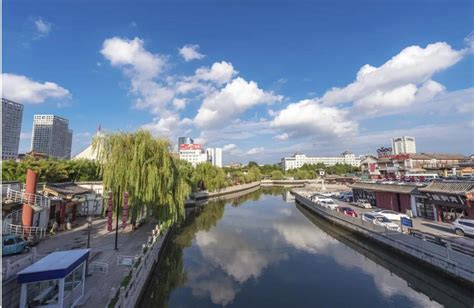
(190, 52)
(24, 90)
(235, 98)
(141, 67)
(131, 55)
(25, 135)
(229, 147)
(179, 103)
(281, 137)
(163, 126)
(43, 27)
(256, 151)
(308, 117)
(400, 82)
(220, 72)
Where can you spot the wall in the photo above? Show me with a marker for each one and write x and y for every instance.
(445, 259)
(390, 201)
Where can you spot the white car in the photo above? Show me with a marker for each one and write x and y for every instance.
(380, 220)
(363, 203)
(328, 204)
(327, 194)
(463, 226)
(391, 215)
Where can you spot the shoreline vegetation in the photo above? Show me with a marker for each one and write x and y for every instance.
(157, 181)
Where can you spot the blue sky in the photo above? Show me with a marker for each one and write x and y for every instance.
(262, 79)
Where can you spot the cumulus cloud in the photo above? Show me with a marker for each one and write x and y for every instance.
(42, 26)
(308, 117)
(281, 137)
(235, 98)
(400, 82)
(229, 147)
(179, 103)
(190, 52)
(220, 72)
(21, 89)
(256, 151)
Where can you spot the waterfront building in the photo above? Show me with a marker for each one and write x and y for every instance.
(51, 136)
(396, 166)
(12, 115)
(193, 153)
(299, 159)
(439, 200)
(184, 140)
(214, 155)
(403, 145)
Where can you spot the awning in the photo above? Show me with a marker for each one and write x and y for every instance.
(56, 265)
(449, 204)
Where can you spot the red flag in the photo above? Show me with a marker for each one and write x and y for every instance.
(109, 212)
(125, 210)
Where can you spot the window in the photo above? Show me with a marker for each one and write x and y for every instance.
(8, 242)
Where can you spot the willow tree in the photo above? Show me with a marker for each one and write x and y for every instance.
(144, 167)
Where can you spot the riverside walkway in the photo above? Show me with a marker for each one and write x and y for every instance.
(102, 243)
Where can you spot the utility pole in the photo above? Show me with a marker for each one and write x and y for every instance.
(117, 220)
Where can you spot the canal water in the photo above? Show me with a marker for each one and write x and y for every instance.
(263, 250)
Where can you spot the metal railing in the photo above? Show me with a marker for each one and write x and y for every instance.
(20, 230)
(27, 198)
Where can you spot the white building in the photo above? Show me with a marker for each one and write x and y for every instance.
(214, 155)
(299, 159)
(89, 152)
(12, 114)
(51, 136)
(193, 153)
(404, 144)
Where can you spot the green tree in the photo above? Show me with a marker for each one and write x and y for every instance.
(144, 167)
(277, 175)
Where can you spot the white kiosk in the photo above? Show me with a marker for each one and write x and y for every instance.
(57, 280)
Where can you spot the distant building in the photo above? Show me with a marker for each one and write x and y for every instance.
(299, 159)
(403, 145)
(184, 140)
(89, 152)
(52, 136)
(214, 155)
(193, 153)
(12, 114)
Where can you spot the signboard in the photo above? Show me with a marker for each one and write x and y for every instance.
(125, 210)
(407, 222)
(109, 212)
(189, 146)
(372, 167)
(384, 152)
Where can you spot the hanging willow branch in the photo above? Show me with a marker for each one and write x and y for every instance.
(157, 183)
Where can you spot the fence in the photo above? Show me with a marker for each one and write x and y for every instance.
(30, 232)
(127, 296)
(454, 259)
(10, 269)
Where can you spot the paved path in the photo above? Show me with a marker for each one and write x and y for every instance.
(98, 285)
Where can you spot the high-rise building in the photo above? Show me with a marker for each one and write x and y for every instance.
(404, 144)
(184, 140)
(51, 136)
(12, 114)
(214, 155)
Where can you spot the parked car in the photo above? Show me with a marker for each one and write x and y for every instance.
(13, 244)
(347, 197)
(363, 203)
(380, 220)
(328, 203)
(348, 211)
(391, 215)
(463, 226)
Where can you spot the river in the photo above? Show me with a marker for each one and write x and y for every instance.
(261, 251)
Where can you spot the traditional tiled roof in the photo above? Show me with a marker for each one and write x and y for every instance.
(395, 188)
(449, 187)
(444, 156)
(67, 188)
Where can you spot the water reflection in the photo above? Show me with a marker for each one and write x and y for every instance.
(263, 252)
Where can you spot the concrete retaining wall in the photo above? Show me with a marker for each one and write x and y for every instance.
(225, 191)
(451, 262)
